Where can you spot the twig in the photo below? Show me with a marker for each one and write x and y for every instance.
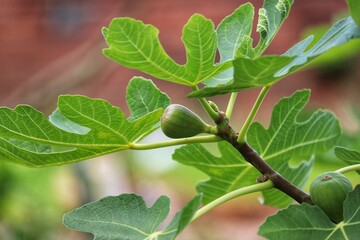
(250, 155)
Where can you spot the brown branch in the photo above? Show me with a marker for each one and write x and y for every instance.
(251, 156)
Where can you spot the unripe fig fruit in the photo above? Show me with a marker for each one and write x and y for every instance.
(329, 191)
(178, 121)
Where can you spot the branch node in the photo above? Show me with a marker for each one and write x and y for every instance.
(262, 178)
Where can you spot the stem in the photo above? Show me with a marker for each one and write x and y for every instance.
(227, 133)
(354, 167)
(268, 172)
(174, 142)
(231, 195)
(254, 110)
(212, 113)
(231, 104)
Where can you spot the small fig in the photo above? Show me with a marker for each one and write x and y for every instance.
(178, 121)
(329, 191)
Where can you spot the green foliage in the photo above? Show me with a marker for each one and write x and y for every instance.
(309, 222)
(81, 128)
(127, 217)
(340, 33)
(249, 73)
(285, 139)
(335, 56)
(351, 157)
(288, 138)
(136, 45)
(232, 30)
(234, 39)
(354, 8)
(143, 97)
(253, 73)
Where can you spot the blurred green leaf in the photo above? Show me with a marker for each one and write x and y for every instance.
(342, 32)
(349, 156)
(285, 139)
(136, 45)
(127, 217)
(354, 8)
(334, 56)
(303, 221)
(232, 30)
(234, 41)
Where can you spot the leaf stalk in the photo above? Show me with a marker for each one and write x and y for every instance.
(174, 142)
(231, 195)
(212, 113)
(355, 167)
(231, 104)
(252, 114)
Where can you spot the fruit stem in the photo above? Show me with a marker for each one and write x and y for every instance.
(355, 167)
(231, 104)
(231, 195)
(211, 130)
(174, 142)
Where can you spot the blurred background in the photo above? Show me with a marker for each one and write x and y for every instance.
(51, 47)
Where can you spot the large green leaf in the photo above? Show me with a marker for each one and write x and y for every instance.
(136, 45)
(231, 32)
(349, 156)
(127, 217)
(285, 139)
(303, 221)
(255, 73)
(354, 8)
(81, 128)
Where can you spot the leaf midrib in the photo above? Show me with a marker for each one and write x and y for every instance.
(298, 146)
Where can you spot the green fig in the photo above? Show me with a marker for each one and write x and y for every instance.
(329, 191)
(178, 121)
